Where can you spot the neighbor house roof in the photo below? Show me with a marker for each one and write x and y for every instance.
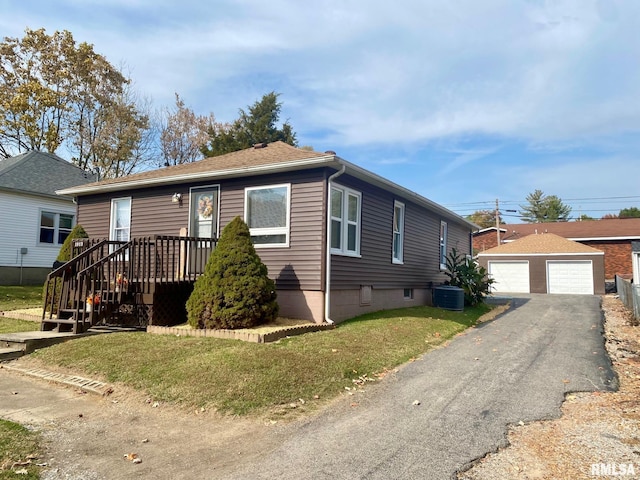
(40, 173)
(605, 229)
(273, 157)
(541, 244)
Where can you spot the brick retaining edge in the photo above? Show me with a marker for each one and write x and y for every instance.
(240, 335)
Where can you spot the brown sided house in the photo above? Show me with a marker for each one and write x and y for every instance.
(613, 236)
(337, 239)
(545, 263)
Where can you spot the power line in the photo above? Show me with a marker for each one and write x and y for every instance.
(564, 200)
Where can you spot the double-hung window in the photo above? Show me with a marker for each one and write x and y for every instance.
(267, 211)
(443, 245)
(345, 221)
(55, 227)
(120, 227)
(398, 232)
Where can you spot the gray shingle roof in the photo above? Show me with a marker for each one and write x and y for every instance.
(40, 173)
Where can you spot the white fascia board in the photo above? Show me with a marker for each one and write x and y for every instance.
(488, 229)
(188, 177)
(574, 254)
(595, 239)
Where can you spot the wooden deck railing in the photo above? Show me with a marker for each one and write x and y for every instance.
(111, 273)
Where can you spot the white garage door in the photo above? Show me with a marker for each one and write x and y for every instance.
(510, 277)
(570, 276)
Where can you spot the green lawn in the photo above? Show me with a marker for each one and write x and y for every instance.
(18, 297)
(245, 378)
(18, 446)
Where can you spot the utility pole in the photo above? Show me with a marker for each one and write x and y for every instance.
(498, 221)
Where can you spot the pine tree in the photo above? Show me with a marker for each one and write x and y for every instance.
(544, 208)
(234, 291)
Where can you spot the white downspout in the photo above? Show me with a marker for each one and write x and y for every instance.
(327, 292)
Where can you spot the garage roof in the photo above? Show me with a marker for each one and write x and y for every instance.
(545, 243)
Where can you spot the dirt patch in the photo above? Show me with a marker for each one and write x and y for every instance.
(598, 433)
(86, 436)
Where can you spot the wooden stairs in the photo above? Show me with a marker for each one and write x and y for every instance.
(106, 278)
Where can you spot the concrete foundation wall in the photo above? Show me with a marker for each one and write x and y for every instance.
(305, 305)
(347, 304)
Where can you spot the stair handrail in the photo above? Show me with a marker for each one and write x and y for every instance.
(62, 271)
(89, 288)
(85, 253)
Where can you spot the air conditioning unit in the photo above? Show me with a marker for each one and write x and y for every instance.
(448, 297)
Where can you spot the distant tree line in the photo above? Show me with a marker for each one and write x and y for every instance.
(541, 208)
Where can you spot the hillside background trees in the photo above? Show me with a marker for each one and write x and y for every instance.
(60, 96)
(55, 92)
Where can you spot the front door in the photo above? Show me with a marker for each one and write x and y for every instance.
(203, 212)
(203, 223)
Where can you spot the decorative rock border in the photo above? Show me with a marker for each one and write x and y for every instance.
(18, 315)
(243, 334)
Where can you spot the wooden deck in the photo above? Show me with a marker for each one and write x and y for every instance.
(145, 281)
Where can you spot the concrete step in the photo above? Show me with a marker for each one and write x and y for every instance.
(10, 353)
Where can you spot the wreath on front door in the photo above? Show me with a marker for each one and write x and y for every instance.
(205, 206)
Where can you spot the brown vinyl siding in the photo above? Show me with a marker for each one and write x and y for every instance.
(421, 244)
(152, 212)
(298, 266)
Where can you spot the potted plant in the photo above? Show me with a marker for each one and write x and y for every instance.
(121, 283)
(92, 301)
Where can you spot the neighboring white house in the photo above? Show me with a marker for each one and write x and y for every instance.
(34, 221)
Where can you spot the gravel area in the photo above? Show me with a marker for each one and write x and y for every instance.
(598, 434)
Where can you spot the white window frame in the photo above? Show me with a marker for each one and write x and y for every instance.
(284, 230)
(398, 256)
(345, 222)
(442, 252)
(112, 220)
(56, 226)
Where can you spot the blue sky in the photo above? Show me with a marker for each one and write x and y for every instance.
(463, 102)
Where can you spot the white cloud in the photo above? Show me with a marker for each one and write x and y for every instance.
(553, 76)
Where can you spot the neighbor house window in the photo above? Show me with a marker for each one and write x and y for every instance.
(120, 227)
(443, 245)
(398, 232)
(408, 293)
(267, 212)
(55, 227)
(345, 221)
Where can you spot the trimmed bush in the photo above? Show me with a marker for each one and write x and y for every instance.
(64, 255)
(234, 291)
(65, 251)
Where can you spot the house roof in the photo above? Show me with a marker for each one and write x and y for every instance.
(40, 173)
(540, 244)
(605, 229)
(261, 159)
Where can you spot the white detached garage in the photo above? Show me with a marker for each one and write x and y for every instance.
(545, 263)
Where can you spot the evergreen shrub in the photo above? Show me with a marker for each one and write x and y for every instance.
(234, 291)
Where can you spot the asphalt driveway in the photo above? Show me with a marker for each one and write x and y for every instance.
(516, 368)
